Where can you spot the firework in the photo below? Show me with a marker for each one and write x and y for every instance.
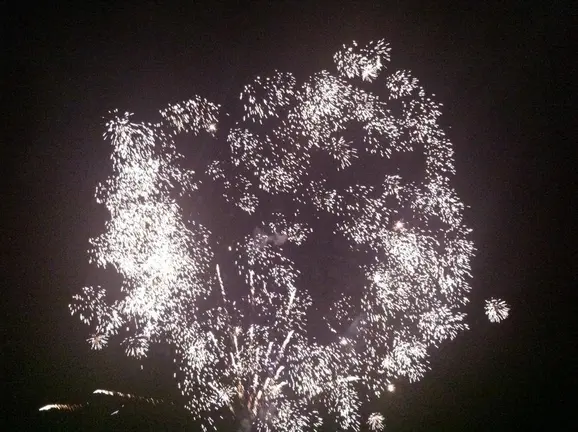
(497, 310)
(246, 349)
(376, 422)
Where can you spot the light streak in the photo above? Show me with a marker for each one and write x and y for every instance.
(61, 407)
(376, 422)
(112, 393)
(148, 400)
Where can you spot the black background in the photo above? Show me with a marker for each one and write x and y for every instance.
(495, 67)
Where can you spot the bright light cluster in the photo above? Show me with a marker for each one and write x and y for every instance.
(376, 422)
(61, 407)
(497, 310)
(365, 63)
(112, 393)
(246, 351)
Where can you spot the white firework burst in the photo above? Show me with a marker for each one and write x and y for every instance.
(98, 341)
(376, 422)
(497, 310)
(246, 347)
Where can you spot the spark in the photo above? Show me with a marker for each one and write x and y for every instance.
(248, 349)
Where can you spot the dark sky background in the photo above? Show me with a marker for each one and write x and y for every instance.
(492, 66)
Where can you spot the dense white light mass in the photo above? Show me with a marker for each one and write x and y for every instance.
(497, 310)
(245, 350)
(112, 393)
(376, 422)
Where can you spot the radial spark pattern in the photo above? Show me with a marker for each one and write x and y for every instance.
(246, 350)
(376, 422)
(497, 310)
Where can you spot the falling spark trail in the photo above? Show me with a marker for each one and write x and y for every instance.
(62, 407)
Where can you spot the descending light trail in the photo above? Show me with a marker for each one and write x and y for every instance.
(112, 393)
(376, 422)
(247, 350)
(148, 400)
(61, 407)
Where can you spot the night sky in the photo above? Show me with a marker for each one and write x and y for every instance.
(492, 66)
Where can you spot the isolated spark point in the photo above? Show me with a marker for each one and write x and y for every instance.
(247, 350)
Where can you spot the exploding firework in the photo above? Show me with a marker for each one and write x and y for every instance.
(376, 422)
(245, 349)
(497, 310)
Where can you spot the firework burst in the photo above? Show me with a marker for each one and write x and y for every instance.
(497, 310)
(376, 422)
(246, 348)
